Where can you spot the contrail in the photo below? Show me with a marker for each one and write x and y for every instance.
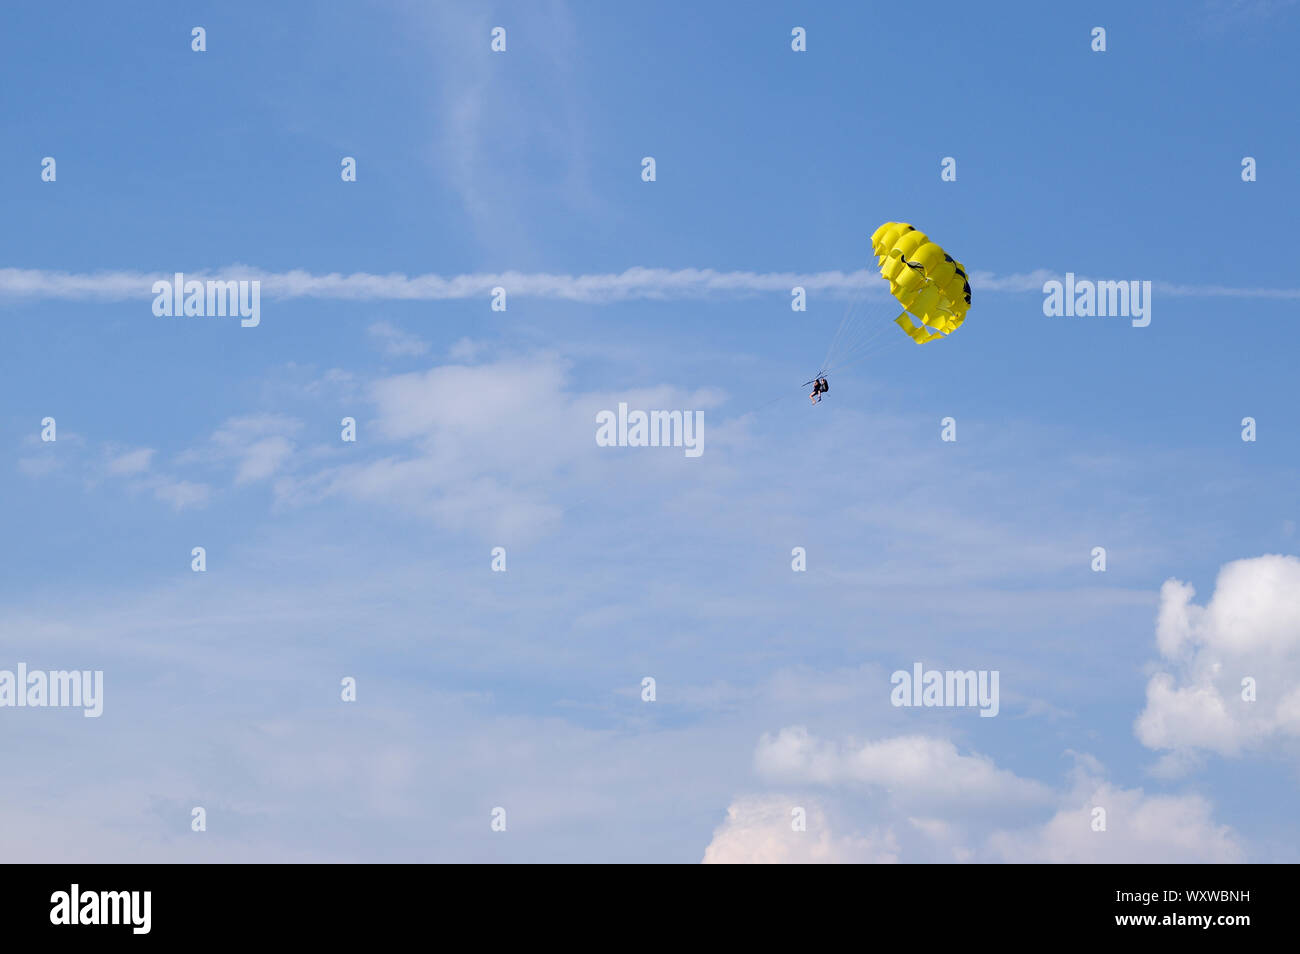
(630, 285)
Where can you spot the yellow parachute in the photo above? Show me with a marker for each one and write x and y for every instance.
(928, 282)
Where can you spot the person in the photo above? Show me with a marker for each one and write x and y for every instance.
(820, 387)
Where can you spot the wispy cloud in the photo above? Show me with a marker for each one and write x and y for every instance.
(395, 342)
(477, 115)
(130, 462)
(1219, 15)
(180, 494)
(257, 444)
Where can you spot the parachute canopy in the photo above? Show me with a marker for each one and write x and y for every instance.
(929, 283)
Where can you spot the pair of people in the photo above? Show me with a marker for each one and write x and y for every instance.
(820, 387)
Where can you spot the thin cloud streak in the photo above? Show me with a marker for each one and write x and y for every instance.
(637, 283)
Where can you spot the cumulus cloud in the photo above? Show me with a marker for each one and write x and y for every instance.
(761, 830)
(1138, 829)
(941, 805)
(1247, 635)
(918, 769)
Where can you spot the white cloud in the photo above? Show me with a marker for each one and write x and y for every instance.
(134, 466)
(487, 448)
(636, 283)
(465, 349)
(1140, 829)
(130, 463)
(39, 466)
(630, 284)
(256, 443)
(759, 830)
(1250, 629)
(262, 458)
(395, 342)
(180, 494)
(478, 116)
(47, 457)
(944, 806)
(916, 769)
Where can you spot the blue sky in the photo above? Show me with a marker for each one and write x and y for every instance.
(475, 430)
